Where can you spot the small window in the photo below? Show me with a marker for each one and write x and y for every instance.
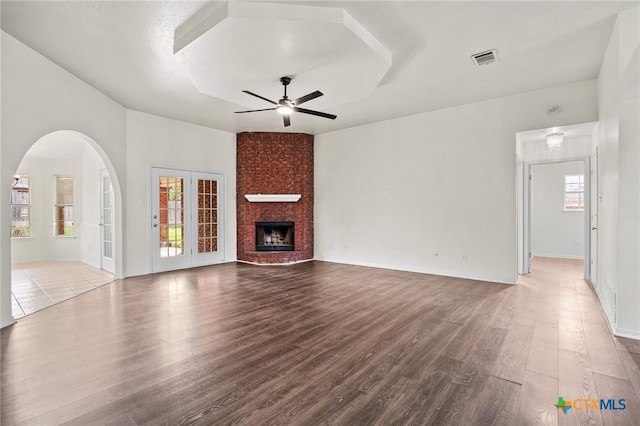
(64, 206)
(574, 192)
(20, 207)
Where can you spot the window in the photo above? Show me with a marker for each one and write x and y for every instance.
(20, 207)
(64, 206)
(574, 192)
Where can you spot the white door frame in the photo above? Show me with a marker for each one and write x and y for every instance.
(178, 260)
(524, 212)
(593, 220)
(189, 255)
(107, 222)
(208, 258)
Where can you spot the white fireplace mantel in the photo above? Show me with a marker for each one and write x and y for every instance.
(272, 198)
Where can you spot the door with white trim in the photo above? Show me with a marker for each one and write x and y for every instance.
(186, 219)
(593, 222)
(106, 222)
(207, 202)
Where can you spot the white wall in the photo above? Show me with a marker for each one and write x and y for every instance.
(91, 164)
(433, 192)
(38, 98)
(606, 138)
(555, 232)
(618, 281)
(161, 142)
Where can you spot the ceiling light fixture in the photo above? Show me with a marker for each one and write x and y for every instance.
(284, 109)
(554, 140)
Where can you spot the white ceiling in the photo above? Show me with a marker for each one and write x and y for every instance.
(125, 49)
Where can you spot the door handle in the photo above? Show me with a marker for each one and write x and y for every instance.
(593, 228)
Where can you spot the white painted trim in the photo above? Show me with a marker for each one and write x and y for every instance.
(272, 198)
(628, 334)
(9, 322)
(51, 259)
(452, 274)
(557, 256)
(618, 332)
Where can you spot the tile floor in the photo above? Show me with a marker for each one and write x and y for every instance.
(38, 285)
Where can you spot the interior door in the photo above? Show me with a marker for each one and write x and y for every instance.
(186, 219)
(106, 221)
(593, 250)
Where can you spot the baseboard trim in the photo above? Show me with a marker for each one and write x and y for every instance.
(627, 334)
(498, 280)
(48, 259)
(558, 256)
(8, 322)
(613, 328)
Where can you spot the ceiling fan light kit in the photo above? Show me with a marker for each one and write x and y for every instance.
(286, 106)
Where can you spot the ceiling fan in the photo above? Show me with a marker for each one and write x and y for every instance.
(286, 106)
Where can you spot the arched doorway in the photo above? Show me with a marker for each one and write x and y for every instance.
(63, 223)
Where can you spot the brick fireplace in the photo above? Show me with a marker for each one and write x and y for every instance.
(274, 163)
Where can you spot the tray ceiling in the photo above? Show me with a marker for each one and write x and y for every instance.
(262, 42)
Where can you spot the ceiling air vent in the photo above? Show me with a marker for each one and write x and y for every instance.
(485, 58)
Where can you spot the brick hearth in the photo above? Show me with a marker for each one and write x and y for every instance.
(275, 163)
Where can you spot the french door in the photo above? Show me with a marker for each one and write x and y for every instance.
(106, 221)
(186, 219)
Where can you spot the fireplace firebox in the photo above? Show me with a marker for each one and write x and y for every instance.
(274, 236)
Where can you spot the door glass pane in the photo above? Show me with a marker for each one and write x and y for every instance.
(107, 212)
(171, 192)
(207, 216)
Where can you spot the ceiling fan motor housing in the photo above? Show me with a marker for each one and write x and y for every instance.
(286, 106)
(285, 80)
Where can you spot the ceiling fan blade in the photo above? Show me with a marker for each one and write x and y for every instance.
(261, 97)
(318, 113)
(287, 120)
(308, 97)
(255, 110)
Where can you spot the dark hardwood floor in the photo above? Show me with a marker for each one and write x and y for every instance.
(320, 343)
